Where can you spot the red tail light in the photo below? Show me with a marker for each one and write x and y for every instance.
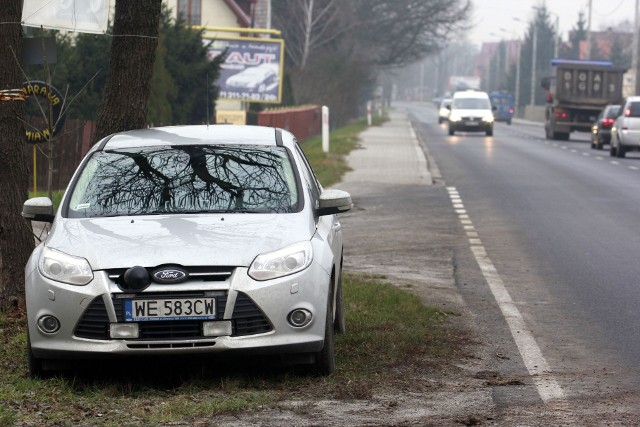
(608, 122)
(510, 110)
(561, 114)
(627, 112)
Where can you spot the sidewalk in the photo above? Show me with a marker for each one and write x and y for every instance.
(389, 154)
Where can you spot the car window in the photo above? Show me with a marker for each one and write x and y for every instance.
(312, 183)
(471, 104)
(185, 179)
(612, 112)
(632, 109)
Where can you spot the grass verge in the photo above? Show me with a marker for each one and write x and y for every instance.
(391, 340)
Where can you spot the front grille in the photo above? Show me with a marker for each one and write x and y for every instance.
(201, 274)
(247, 319)
(94, 323)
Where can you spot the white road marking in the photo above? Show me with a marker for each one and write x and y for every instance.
(613, 162)
(633, 168)
(548, 387)
(586, 154)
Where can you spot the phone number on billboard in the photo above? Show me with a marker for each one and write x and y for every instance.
(248, 96)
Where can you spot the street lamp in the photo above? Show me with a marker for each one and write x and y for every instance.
(534, 52)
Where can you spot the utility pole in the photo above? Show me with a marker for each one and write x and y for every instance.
(634, 51)
(589, 31)
(534, 63)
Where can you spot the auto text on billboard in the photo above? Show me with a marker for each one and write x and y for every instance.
(252, 70)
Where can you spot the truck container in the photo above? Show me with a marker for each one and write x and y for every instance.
(577, 91)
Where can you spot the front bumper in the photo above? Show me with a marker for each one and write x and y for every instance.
(257, 312)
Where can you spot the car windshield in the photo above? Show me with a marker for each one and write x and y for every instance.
(612, 112)
(185, 179)
(471, 104)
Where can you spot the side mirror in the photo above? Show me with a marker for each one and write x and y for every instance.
(38, 209)
(545, 82)
(448, 107)
(334, 202)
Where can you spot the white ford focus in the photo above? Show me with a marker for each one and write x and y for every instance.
(188, 239)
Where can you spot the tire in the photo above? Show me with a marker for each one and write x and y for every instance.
(339, 323)
(451, 131)
(509, 122)
(594, 144)
(325, 363)
(489, 132)
(620, 151)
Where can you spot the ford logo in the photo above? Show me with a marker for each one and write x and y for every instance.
(170, 275)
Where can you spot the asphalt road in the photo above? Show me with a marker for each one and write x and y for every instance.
(560, 224)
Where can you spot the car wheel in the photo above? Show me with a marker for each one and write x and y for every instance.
(620, 151)
(489, 132)
(451, 131)
(594, 145)
(509, 121)
(325, 363)
(339, 323)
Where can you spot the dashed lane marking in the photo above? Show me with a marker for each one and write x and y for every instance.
(548, 387)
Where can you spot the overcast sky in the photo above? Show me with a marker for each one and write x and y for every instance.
(494, 19)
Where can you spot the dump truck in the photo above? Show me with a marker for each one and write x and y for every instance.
(577, 90)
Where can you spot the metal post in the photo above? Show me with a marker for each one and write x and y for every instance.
(325, 129)
(589, 32)
(533, 63)
(634, 51)
(517, 96)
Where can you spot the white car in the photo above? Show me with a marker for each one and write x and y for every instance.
(188, 239)
(444, 111)
(471, 111)
(625, 132)
(261, 78)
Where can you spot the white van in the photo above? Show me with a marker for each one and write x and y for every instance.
(471, 112)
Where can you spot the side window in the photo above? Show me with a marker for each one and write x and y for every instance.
(310, 180)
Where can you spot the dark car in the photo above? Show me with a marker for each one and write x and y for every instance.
(601, 129)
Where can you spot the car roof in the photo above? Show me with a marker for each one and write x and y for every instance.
(471, 94)
(198, 134)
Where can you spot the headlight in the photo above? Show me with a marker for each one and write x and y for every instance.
(488, 119)
(282, 262)
(64, 268)
(454, 117)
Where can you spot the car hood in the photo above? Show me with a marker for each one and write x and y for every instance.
(229, 240)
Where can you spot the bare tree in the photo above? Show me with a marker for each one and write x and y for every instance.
(378, 32)
(310, 25)
(16, 241)
(126, 96)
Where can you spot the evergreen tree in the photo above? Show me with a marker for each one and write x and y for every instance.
(539, 41)
(577, 35)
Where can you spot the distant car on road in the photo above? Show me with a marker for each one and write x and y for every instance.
(601, 129)
(445, 109)
(471, 111)
(261, 78)
(625, 132)
(188, 240)
(503, 105)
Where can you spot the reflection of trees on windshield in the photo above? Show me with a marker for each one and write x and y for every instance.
(185, 179)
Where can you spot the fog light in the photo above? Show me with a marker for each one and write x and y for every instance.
(124, 330)
(216, 329)
(299, 317)
(48, 324)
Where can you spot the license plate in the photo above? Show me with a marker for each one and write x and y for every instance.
(471, 123)
(144, 310)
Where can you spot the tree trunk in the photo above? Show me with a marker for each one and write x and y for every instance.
(16, 240)
(126, 97)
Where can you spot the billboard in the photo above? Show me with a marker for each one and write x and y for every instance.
(84, 16)
(252, 70)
